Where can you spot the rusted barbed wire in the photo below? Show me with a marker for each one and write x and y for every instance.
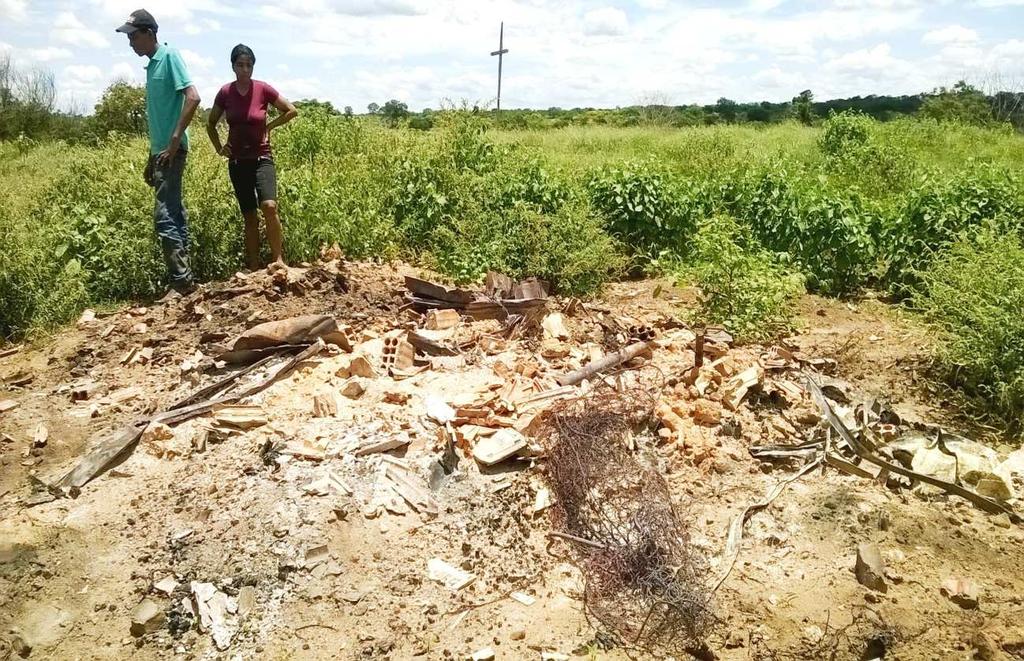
(642, 580)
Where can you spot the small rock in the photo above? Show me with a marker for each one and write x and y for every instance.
(961, 591)
(485, 654)
(360, 366)
(325, 405)
(353, 388)
(518, 634)
(870, 569)
(1002, 521)
(146, 618)
(246, 600)
(19, 646)
(736, 639)
(166, 585)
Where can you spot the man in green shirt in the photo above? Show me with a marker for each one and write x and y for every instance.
(171, 100)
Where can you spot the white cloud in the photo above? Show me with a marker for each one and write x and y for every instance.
(878, 58)
(362, 8)
(49, 54)
(562, 52)
(68, 29)
(202, 26)
(194, 60)
(776, 79)
(952, 34)
(13, 10)
(83, 73)
(170, 16)
(125, 71)
(606, 21)
(378, 7)
(878, 4)
(1012, 49)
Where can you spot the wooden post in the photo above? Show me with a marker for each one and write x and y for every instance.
(500, 53)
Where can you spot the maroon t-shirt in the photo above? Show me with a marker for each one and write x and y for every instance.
(247, 118)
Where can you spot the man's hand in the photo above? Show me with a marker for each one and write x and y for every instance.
(166, 156)
(225, 151)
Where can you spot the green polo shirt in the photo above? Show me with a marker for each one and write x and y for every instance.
(166, 80)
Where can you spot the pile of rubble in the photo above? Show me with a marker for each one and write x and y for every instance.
(387, 417)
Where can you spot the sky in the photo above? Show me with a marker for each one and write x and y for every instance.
(565, 53)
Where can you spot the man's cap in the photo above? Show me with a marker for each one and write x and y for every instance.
(140, 19)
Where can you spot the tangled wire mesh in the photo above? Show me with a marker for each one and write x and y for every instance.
(642, 580)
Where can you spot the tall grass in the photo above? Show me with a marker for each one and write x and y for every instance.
(749, 212)
(853, 204)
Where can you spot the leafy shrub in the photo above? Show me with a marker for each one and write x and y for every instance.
(644, 207)
(845, 132)
(854, 153)
(939, 211)
(826, 233)
(569, 248)
(529, 181)
(423, 198)
(741, 285)
(973, 295)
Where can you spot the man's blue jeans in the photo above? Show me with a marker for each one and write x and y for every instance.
(172, 220)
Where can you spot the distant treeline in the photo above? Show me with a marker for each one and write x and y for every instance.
(965, 104)
(962, 103)
(28, 111)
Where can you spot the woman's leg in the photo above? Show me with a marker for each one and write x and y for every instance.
(243, 179)
(274, 233)
(266, 188)
(252, 239)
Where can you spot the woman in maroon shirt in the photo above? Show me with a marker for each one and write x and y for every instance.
(251, 164)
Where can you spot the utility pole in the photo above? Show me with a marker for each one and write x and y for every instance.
(500, 53)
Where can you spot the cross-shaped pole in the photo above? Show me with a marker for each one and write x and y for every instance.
(500, 52)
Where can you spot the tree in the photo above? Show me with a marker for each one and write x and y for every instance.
(394, 111)
(726, 109)
(803, 106)
(373, 108)
(759, 114)
(348, 112)
(655, 108)
(316, 105)
(27, 100)
(963, 103)
(122, 108)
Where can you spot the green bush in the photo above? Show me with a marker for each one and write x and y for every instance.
(973, 295)
(569, 248)
(645, 207)
(742, 286)
(845, 132)
(528, 180)
(939, 211)
(859, 157)
(826, 233)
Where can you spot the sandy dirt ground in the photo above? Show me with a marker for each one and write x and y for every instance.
(295, 529)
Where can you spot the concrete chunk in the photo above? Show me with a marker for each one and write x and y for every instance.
(870, 569)
(147, 617)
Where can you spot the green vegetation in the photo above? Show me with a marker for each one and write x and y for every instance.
(748, 213)
(742, 286)
(973, 294)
